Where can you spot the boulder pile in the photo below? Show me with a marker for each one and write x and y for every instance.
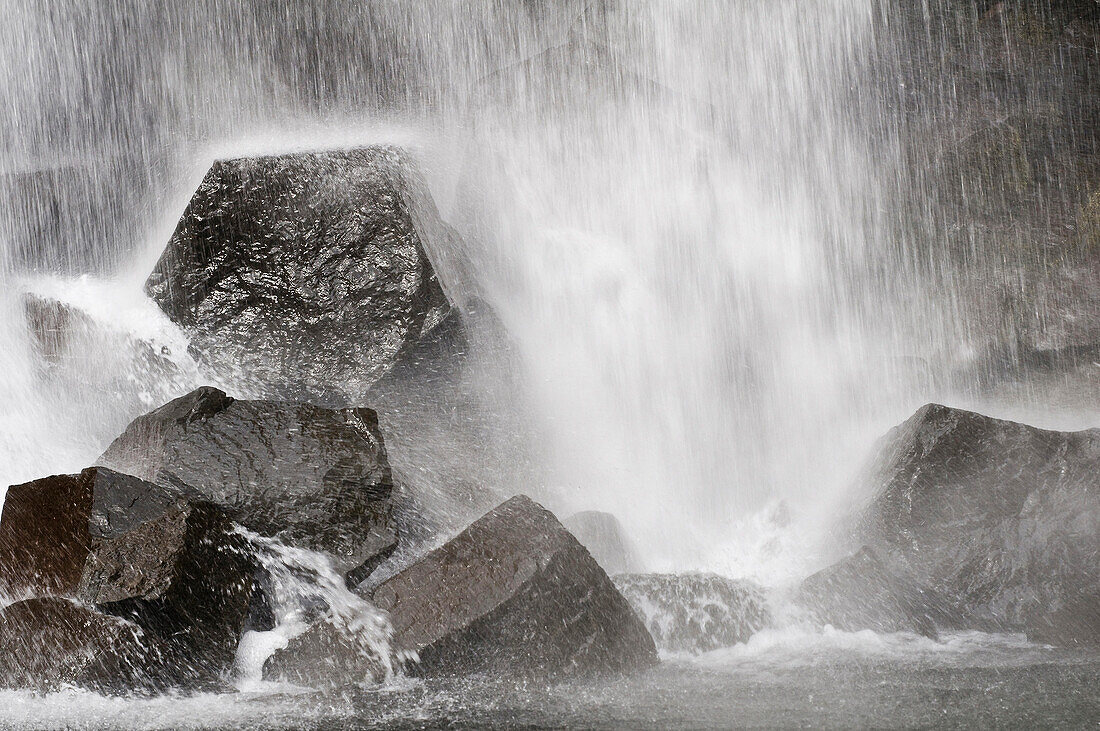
(304, 281)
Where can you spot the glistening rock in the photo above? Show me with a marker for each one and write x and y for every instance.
(49, 642)
(514, 594)
(1000, 516)
(305, 275)
(313, 477)
(859, 593)
(161, 557)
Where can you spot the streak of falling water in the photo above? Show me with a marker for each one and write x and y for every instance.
(684, 212)
(671, 205)
(689, 253)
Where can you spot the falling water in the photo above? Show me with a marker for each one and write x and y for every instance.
(709, 229)
(686, 239)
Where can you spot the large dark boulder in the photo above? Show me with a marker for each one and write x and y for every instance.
(49, 642)
(603, 536)
(860, 592)
(161, 557)
(1000, 516)
(305, 275)
(694, 613)
(514, 594)
(313, 477)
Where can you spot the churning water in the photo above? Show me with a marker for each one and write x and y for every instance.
(691, 217)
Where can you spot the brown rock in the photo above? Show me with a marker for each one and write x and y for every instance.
(44, 536)
(158, 556)
(514, 593)
(49, 642)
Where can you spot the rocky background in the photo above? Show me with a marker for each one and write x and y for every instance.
(996, 109)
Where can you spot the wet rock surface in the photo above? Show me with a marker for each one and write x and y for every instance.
(50, 642)
(305, 275)
(44, 536)
(696, 613)
(514, 593)
(1000, 516)
(314, 477)
(327, 656)
(603, 536)
(160, 557)
(859, 592)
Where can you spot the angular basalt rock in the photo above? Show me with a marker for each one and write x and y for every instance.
(602, 534)
(171, 563)
(859, 592)
(305, 275)
(696, 613)
(49, 642)
(45, 536)
(313, 477)
(514, 593)
(1000, 516)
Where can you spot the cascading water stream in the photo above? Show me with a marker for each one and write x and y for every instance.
(300, 585)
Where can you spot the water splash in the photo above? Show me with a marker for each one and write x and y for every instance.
(303, 588)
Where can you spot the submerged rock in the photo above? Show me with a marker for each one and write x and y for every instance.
(160, 557)
(305, 275)
(1002, 517)
(313, 477)
(516, 594)
(602, 534)
(696, 612)
(51, 642)
(859, 593)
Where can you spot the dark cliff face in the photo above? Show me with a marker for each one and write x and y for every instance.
(995, 106)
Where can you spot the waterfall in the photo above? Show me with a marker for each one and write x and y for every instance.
(688, 215)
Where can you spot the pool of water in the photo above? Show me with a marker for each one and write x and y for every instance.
(777, 679)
